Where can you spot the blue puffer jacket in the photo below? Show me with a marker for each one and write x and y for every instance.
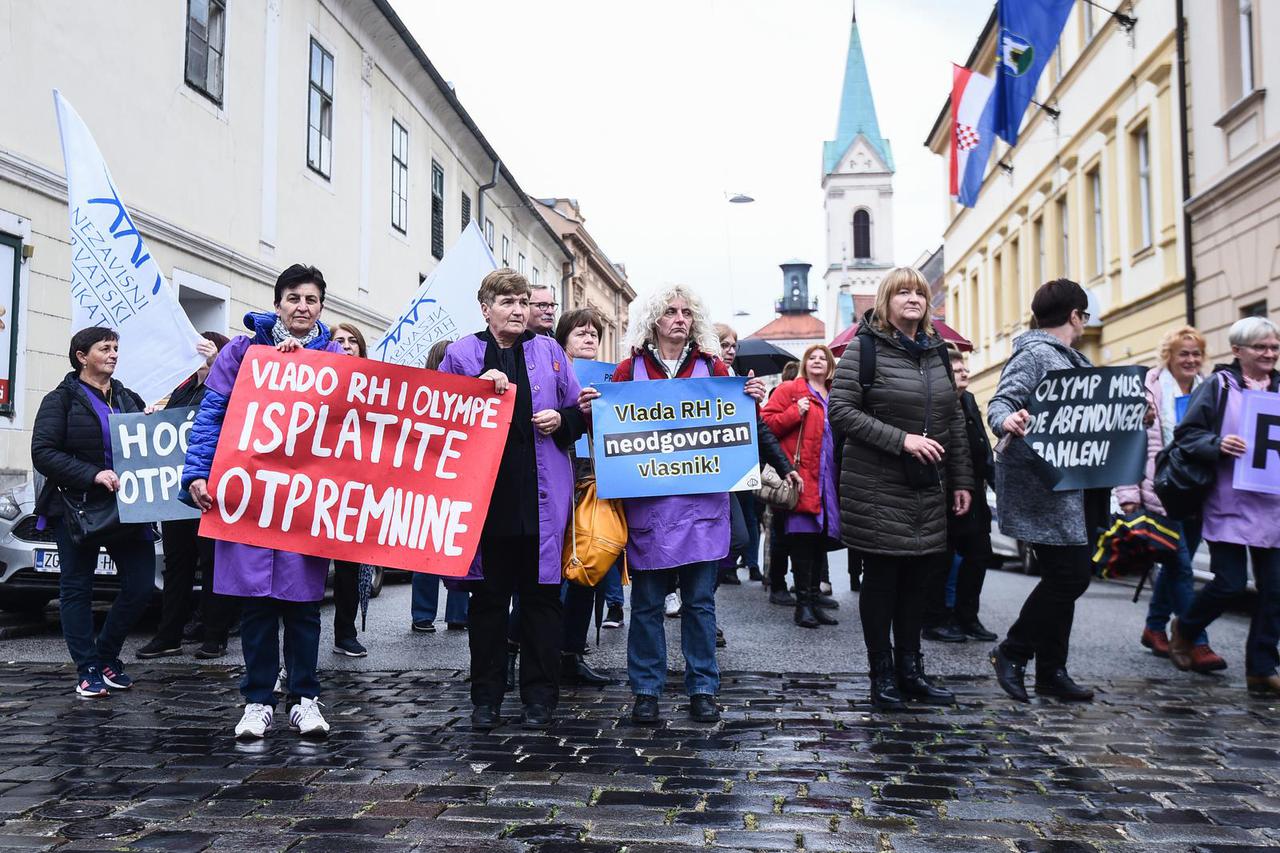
(202, 441)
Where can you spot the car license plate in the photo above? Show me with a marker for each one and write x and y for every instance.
(47, 561)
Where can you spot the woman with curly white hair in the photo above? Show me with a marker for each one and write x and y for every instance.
(670, 337)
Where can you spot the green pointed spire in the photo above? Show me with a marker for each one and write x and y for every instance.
(857, 109)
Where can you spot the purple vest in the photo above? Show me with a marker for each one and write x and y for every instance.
(677, 530)
(1231, 514)
(554, 386)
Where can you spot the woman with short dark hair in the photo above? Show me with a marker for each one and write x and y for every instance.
(71, 447)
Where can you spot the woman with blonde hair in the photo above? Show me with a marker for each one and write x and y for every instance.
(797, 414)
(905, 466)
(1169, 387)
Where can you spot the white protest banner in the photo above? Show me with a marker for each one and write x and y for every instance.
(114, 280)
(445, 305)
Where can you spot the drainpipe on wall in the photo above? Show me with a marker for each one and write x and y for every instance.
(1188, 256)
(493, 182)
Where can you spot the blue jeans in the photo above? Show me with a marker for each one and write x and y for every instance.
(135, 560)
(647, 638)
(260, 638)
(1175, 583)
(1230, 576)
(612, 585)
(426, 600)
(953, 580)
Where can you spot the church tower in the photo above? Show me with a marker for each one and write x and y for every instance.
(857, 184)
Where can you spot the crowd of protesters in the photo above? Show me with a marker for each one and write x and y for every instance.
(883, 451)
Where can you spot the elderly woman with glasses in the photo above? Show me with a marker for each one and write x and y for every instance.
(1239, 525)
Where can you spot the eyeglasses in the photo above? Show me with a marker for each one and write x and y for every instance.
(1084, 316)
(543, 306)
(1263, 348)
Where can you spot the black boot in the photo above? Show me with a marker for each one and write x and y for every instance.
(804, 616)
(753, 573)
(913, 684)
(884, 689)
(513, 656)
(574, 670)
(820, 614)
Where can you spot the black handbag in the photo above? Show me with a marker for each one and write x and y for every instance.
(92, 516)
(1182, 482)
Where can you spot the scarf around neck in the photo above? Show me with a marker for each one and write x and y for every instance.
(279, 333)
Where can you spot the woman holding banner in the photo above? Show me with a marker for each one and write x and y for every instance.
(277, 586)
(1239, 524)
(905, 466)
(1172, 380)
(523, 534)
(670, 338)
(797, 414)
(187, 554)
(70, 446)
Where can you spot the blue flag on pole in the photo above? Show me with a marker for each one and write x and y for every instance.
(1029, 31)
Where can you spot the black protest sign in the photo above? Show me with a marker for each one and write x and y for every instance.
(1087, 426)
(148, 452)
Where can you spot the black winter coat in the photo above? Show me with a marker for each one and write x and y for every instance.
(66, 441)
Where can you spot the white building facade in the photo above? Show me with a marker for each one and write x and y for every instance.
(279, 131)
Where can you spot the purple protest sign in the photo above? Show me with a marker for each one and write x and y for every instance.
(1259, 469)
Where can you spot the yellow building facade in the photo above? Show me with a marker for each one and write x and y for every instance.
(1093, 194)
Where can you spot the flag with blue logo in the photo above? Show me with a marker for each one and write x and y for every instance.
(1029, 31)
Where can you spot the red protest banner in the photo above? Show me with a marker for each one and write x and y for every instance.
(352, 459)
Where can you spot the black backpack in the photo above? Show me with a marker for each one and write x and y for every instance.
(867, 363)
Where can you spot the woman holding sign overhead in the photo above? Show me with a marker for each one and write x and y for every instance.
(670, 338)
(277, 586)
(905, 467)
(523, 534)
(1240, 525)
(70, 446)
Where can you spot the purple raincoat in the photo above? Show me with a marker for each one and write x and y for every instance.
(554, 386)
(827, 518)
(678, 530)
(1236, 515)
(249, 570)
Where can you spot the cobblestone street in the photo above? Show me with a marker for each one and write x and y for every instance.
(1172, 762)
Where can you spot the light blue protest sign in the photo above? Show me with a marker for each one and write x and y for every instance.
(1258, 470)
(590, 373)
(674, 437)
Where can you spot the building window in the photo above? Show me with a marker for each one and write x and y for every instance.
(1095, 204)
(1142, 176)
(437, 210)
(861, 235)
(1254, 309)
(1090, 29)
(206, 38)
(466, 211)
(320, 112)
(1013, 287)
(488, 233)
(537, 278)
(1064, 222)
(399, 177)
(506, 251)
(10, 271)
(520, 264)
(1246, 46)
(1037, 229)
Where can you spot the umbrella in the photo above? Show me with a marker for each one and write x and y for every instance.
(1133, 544)
(364, 589)
(759, 355)
(842, 340)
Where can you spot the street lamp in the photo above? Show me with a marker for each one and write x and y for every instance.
(739, 198)
(733, 198)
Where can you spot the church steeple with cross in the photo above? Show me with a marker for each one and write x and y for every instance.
(857, 183)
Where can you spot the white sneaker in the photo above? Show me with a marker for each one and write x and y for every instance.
(255, 722)
(824, 588)
(306, 719)
(672, 605)
(281, 680)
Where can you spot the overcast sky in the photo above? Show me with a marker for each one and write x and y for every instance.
(648, 113)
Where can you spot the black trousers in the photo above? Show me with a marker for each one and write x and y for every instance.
(969, 581)
(187, 554)
(808, 553)
(892, 600)
(1043, 628)
(511, 566)
(346, 599)
(579, 605)
(778, 551)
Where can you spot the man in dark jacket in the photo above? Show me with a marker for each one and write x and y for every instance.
(1028, 507)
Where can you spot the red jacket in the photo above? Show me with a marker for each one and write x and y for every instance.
(783, 418)
(622, 373)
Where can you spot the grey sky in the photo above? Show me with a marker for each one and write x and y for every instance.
(648, 113)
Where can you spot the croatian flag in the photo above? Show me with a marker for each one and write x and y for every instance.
(972, 132)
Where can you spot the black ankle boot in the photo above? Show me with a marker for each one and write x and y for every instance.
(913, 684)
(805, 617)
(574, 670)
(820, 614)
(884, 689)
